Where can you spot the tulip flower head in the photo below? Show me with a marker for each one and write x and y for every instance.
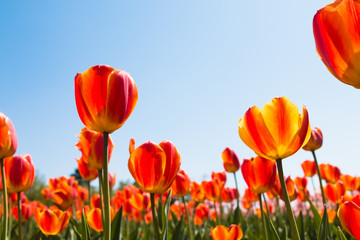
(51, 222)
(230, 160)
(8, 138)
(86, 173)
(181, 184)
(221, 232)
(153, 166)
(276, 131)
(329, 173)
(309, 168)
(349, 216)
(315, 141)
(105, 97)
(337, 40)
(197, 192)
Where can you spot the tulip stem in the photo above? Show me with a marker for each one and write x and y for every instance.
(155, 220)
(89, 189)
(5, 201)
(19, 215)
(107, 225)
(101, 195)
(237, 192)
(263, 218)
(318, 172)
(294, 229)
(191, 235)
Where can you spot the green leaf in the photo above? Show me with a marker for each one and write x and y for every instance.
(284, 234)
(300, 225)
(165, 214)
(273, 233)
(75, 227)
(37, 235)
(177, 233)
(322, 229)
(317, 217)
(116, 225)
(239, 218)
(341, 234)
(85, 230)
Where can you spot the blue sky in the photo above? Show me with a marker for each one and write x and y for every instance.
(198, 66)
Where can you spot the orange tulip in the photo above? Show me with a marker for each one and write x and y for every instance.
(315, 141)
(91, 147)
(181, 184)
(221, 232)
(250, 195)
(309, 168)
(105, 97)
(301, 183)
(259, 174)
(350, 183)
(290, 186)
(202, 212)
(230, 160)
(197, 192)
(140, 201)
(51, 222)
(337, 39)
(26, 212)
(302, 195)
(212, 189)
(8, 138)
(221, 176)
(86, 173)
(94, 218)
(112, 180)
(228, 194)
(349, 216)
(334, 192)
(64, 191)
(132, 145)
(329, 173)
(46, 194)
(276, 131)
(331, 214)
(19, 173)
(154, 167)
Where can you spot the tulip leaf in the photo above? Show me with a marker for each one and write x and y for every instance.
(75, 227)
(37, 235)
(300, 225)
(341, 234)
(284, 234)
(317, 217)
(165, 214)
(116, 225)
(322, 229)
(177, 234)
(273, 234)
(85, 230)
(239, 218)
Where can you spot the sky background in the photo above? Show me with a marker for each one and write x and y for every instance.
(198, 65)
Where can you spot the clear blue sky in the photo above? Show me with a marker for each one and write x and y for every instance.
(198, 66)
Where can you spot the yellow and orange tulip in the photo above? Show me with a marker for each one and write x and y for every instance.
(86, 173)
(105, 97)
(221, 232)
(51, 222)
(276, 131)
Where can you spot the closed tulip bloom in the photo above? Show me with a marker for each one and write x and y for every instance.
(94, 218)
(249, 195)
(202, 211)
(315, 141)
(221, 232)
(19, 173)
(221, 176)
(301, 183)
(228, 194)
(309, 168)
(86, 173)
(349, 182)
(230, 160)
(212, 189)
(112, 180)
(334, 192)
(329, 173)
(51, 222)
(337, 40)
(181, 184)
(349, 216)
(91, 147)
(153, 166)
(140, 201)
(290, 186)
(105, 97)
(276, 131)
(302, 195)
(259, 174)
(197, 192)
(8, 138)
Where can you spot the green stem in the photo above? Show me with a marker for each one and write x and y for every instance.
(19, 215)
(294, 229)
(5, 202)
(155, 220)
(89, 192)
(216, 215)
(263, 218)
(107, 225)
(100, 193)
(189, 221)
(237, 192)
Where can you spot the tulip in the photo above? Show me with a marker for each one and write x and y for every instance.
(46, 194)
(301, 183)
(259, 174)
(331, 214)
(140, 201)
(8, 146)
(315, 141)
(290, 186)
(230, 160)
(337, 40)
(212, 189)
(64, 191)
(112, 180)
(221, 232)
(181, 184)
(197, 192)
(91, 146)
(309, 168)
(26, 212)
(228, 194)
(334, 192)
(105, 97)
(85, 172)
(221, 176)
(349, 216)
(94, 219)
(202, 212)
(51, 222)
(349, 182)
(329, 173)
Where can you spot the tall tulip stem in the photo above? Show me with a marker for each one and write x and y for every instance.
(101, 187)
(155, 220)
(318, 172)
(191, 235)
(237, 192)
(5, 202)
(107, 225)
(262, 217)
(294, 229)
(19, 216)
(89, 189)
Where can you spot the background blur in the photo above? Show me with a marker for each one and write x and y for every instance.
(198, 65)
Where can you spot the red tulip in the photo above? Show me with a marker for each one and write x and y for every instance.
(334, 192)
(8, 138)
(230, 160)
(105, 97)
(309, 168)
(51, 222)
(301, 183)
(221, 232)
(349, 216)
(86, 173)
(181, 184)
(329, 173)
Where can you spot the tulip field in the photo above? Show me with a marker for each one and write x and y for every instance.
(163, 201)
